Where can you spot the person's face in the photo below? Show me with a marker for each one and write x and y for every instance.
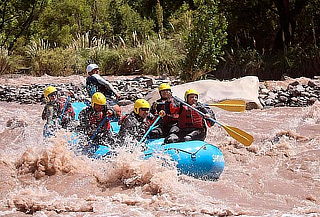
(192, 99)
(165, 94)
(98, 108)
(95, 71)
(53, 96)
(143, 112)
(117, 109)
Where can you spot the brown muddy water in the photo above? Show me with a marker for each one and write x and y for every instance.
(278, 175)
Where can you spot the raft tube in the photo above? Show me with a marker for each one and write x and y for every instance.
(194, 158)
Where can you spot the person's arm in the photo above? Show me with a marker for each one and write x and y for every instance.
(109, 111)
(106, 83)
(49, 115)
(153, 109)
(44, 113)
(208, 114)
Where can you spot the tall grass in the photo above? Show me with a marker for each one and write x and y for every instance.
(154, 56)
(161, 57)
(10, 63)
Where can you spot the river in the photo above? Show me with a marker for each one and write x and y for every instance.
(278, 175)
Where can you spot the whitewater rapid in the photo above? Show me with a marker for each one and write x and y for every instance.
(278, 175)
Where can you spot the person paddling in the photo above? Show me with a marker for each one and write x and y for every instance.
(135, 124)
(95, 83)
(58, 112)
(168, 104)
(191, 125)
(95, 122)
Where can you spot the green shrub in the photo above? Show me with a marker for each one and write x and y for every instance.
(156, 56)
(10, 63)
(160, 57)
(57, 62)
(109, 60)
(239, 63)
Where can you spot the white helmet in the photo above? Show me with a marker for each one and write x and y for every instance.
(91, 67)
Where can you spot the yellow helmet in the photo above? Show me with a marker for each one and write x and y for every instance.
(98, 98)
(164, 86)
(190, 91)
(49, 90)
(140, 103)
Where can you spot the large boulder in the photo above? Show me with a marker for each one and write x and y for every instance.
(211, 91)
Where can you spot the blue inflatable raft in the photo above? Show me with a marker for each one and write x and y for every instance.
(194, 158)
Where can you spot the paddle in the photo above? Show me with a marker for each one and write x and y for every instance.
(64, 108)
(230, 105)
(239, 135)
(149, 130)
(98, 128)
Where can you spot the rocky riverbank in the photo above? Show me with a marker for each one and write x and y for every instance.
(130, 90)
(291, 93)
(295, 94)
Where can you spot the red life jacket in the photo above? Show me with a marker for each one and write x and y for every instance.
(171, 111)
(95, 120)
(69, 110)
(189, 118)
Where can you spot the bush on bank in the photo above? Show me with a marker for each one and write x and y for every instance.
(156, 57)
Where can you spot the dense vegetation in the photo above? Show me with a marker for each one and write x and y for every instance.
(193, 39)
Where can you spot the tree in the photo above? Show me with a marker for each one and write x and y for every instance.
(206, 39)
(63, 20)
(16, 17)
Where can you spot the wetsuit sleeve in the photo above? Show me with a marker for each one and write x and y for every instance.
(44, 113)
(105, 83)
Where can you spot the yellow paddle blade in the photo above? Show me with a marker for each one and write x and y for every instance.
(239, 135)
(231, 105)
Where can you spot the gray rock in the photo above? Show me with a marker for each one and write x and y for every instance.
(264, 91)
(311, 84)
(272, 95)
(283, 99)
(295, 83)
(269, 102)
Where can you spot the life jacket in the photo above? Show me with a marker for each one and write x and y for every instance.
(189, 118)
(171, 110)
(95, 120)
(93, 86)
(68, 113)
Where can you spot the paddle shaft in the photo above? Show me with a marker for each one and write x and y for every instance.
(98, 128)
(64, 108)
(197, 110)
(149, 130)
